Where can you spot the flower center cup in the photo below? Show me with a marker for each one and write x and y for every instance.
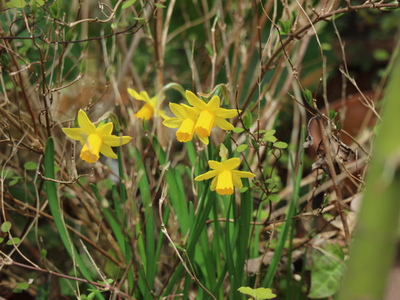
(205, 123)
(146, 112)
(224, 183)
(91, 149)
(186, 131)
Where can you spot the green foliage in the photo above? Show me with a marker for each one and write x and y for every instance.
(16, 4)
(332, 114)
(248, 120)
(21, 286)
(308, 97)
(242, 148)
(56, 8)
(280, 145)
(128, 3)
(5, 226)
(257, 294)
(326, 271)
(30, 165)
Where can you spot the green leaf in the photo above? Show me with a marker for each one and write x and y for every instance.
(238, 130)
(14, 241)
(16, 4)
(274, 198)
(43, 254)
(280, 145)
(30, 165)
(159, 5)
(248, 119)
(284, 27)
(332, 114)
(326, 271)
(270, 132)
(308, 97)
(55, 9)
(258, 294)
(269, 138)
(128, 3)
(247, 291)
(241, 148)
(381, 54)
(6, 226)
(13, 181)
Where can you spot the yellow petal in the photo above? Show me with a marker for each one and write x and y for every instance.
(75, 133)
(137, 96)
(145, 97)
(223, 124)
(237, 181)
(226, 113)
(243, 174)
(85, 123)
(206, 175)
(205, 123)
(146, 112)
(214, 103)
(186, 131)
(204, 140)
(178, 110)
(216, 165)
(224, 183)
(115, 141)
(172, 122)
(107, 151)
(105, 129)
(195, 101)
(232, 163)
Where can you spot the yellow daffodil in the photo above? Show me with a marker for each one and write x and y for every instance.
(186, 118)
(94, 139)
(150, 107)
(225, 177)
(211, 115)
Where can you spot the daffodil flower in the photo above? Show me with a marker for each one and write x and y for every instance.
(211, 115)
(150, 107)
(94, 139)
(186, 118)
(225, 177)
